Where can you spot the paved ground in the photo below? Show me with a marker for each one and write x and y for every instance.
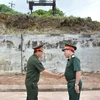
(85, 95)
(57, 88)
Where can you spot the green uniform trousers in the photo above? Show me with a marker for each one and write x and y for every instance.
(32, 91)
(71, 90)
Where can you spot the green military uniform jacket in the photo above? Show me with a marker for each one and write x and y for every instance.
(34, 67)
(72, 66)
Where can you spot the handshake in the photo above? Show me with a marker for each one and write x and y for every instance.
(59, 75)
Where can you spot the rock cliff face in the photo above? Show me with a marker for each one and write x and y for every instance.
(32, 25)
(14, 59)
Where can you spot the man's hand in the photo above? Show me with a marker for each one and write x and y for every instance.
(78, 77)
(60, 75)
(57, 76)
(77, 88)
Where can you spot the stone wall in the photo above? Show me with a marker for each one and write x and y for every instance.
(15, 51)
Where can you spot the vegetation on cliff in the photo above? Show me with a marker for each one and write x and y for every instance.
(43, 22)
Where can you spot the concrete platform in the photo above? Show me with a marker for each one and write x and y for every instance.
(21, 88)
(85, 95)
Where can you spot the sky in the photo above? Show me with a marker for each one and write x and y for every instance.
(78, 8)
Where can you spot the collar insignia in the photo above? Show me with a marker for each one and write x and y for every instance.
(73, 56)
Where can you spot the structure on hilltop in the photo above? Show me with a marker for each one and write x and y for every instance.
(42, 3)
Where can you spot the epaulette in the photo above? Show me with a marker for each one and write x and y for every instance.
(73, 56)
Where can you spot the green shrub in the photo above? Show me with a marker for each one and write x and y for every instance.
(6, 9)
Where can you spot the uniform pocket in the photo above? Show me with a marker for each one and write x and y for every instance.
(34, 85)
(71, 85)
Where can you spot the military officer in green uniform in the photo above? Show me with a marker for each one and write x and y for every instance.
(72, 72)
(34, 67)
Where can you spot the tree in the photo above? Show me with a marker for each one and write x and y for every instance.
(58, 12)
(48, 13)
(6, 9)
(40, 12)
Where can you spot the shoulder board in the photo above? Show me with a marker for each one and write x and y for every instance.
(73, 56)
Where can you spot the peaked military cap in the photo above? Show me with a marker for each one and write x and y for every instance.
(38, 47)
(70, 47)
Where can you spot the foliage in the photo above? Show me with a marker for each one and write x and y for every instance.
(58, 12)
(41, 12)
(6, 9)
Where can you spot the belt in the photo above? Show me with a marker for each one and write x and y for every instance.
(71, 80)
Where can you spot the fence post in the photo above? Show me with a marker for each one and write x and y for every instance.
(21, 54)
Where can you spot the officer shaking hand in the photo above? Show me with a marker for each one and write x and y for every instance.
(34, 67)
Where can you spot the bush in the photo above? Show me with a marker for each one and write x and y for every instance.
(6, 9)
(41, 12)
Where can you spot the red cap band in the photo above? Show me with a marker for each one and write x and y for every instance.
(70, 48)
(41, 48)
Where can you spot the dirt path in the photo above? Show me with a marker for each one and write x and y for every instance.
(89, 80)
